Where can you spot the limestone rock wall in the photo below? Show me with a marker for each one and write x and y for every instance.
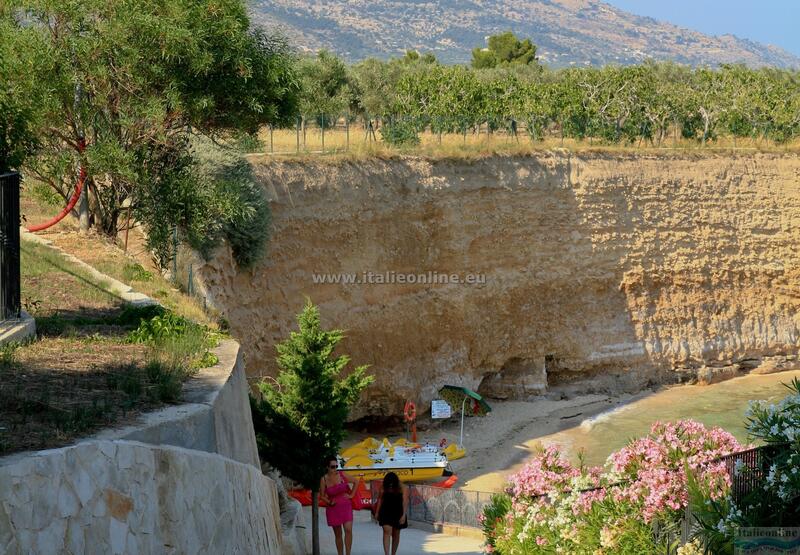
(617, 268)
(123, 497)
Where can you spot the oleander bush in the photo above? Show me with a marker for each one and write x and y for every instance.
(633, 504)
(776, 501)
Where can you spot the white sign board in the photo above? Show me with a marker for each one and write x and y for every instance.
(440, 409)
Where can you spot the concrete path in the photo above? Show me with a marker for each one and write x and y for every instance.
(367, 539)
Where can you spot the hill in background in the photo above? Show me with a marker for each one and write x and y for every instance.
(567, 32)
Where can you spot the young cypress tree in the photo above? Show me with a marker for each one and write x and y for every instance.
(299, 417)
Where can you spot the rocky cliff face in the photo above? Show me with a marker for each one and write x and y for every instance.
(604, 270)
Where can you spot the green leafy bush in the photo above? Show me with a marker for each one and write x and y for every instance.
(179, 348)
(166, 380)
(132, 315)
(44, 194)
(136, 272)
(230, 206)
(8, 355)
(249, 142)
(162, 328)
(157, 381)
(207, 360)
(493, 514)
(400, 132)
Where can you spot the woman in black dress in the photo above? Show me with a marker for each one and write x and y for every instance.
(392, 511)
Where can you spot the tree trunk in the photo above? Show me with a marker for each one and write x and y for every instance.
(314, 522)
(83, 209)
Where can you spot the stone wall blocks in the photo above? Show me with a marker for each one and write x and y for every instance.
(214, 505)
(73, 541)
(51, 538)
(68, 503)
(115, 494)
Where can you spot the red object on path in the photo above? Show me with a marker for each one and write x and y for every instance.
(304, 496)
(361, 500)
(72, 201)
(447, 483)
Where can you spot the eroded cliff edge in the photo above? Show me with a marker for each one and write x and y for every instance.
(616, 268)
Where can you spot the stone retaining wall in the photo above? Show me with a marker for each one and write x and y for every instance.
(127, 497)
(184, 479)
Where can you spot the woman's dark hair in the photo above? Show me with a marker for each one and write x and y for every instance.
(391, 482)
(330, 459)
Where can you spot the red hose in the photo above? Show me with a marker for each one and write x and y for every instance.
(72, 201)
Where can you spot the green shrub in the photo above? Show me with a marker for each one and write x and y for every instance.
(44, 194)
(493, 513)
(247, 231)
(132, 315)
(162, 328)
(165, 380)
(206, 360)
(129, 382)
(248, 142)
(136, 272)
(400, 132)
(244, 215)
(775, 499)
(159, 380)
(178, 348)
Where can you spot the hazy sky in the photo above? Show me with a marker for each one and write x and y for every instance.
(768, 21)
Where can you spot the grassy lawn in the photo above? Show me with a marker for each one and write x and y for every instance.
(96, 361)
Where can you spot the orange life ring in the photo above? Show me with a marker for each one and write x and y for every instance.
(410, 411)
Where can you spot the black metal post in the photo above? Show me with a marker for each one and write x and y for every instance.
(9, 246)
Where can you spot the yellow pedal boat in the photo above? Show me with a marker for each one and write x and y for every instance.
(372, 460)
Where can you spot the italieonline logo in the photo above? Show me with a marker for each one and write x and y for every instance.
(760, 541)
(399, 278)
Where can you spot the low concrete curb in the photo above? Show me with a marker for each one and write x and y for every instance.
(19, 330)
(114, 286)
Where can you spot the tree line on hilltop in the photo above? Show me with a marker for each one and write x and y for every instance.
(506, 86)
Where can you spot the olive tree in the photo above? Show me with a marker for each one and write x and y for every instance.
(135, 82)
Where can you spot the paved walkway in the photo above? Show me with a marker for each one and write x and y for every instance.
(368, 539)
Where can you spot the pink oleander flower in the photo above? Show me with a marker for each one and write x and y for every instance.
(587, 499)
(546, 472)
(655, 464)
(541, 541)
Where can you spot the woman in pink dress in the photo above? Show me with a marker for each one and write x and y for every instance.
(337, 492)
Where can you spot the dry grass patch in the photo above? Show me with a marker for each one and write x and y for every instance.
(284, 143)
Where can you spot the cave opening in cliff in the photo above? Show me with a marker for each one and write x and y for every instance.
(518, 377)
